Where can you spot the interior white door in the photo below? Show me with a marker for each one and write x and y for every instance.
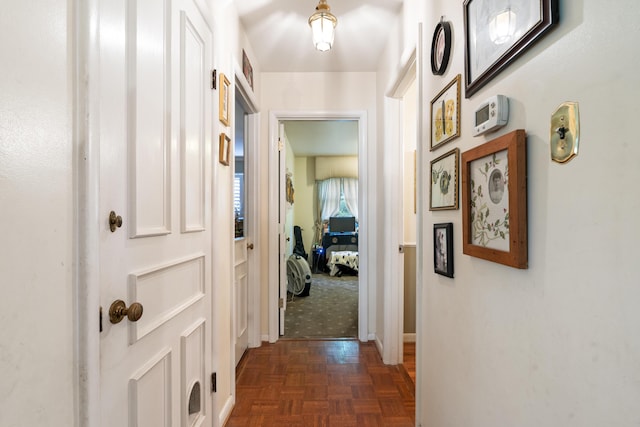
(155, 150)
(282, 214)
(242, 245)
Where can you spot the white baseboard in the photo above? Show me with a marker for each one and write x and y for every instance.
(409, 337)
(226, 411)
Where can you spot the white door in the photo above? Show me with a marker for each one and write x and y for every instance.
(155, 149)
(243, 244)
(282, 214)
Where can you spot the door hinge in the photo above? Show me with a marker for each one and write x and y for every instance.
(281, 303)
(213, 79)
(280, 145)
(214, 385)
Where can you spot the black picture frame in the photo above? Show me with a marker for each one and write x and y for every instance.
(443, 249)
(485, 58)
(441, 47)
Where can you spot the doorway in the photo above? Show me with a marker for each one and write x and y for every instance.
(277, 214)
(321, 228)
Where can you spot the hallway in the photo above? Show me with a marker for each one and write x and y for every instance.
(321, 383)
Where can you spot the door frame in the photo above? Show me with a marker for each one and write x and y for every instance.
(250, 104)
(275, 117)
(392, 351)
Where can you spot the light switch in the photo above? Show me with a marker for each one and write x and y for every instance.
(565, 132)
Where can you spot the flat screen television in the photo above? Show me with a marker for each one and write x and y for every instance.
(342, 224)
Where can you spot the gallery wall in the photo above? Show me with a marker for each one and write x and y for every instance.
(554, 344)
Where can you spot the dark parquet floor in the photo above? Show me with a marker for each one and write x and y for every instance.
(311, 383)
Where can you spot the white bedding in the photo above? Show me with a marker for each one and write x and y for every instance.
(346, 258)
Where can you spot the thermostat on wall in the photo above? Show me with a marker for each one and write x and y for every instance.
(491, 115)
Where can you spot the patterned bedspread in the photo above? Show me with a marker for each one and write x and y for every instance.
(345, 258)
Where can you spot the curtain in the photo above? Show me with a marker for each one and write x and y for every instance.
(350, 189)
(329, 197)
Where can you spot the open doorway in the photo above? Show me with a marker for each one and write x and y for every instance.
(278, 245)
(321, 228)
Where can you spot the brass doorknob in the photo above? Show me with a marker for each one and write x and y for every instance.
(115, 221)
(250, 246)
(119, 309)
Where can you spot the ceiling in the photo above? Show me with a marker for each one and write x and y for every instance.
(280, 36)
(312, 138)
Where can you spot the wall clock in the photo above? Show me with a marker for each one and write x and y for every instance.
(441, 47)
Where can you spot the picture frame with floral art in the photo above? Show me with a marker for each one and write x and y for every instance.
(443, 193)
(445, 114)
(494, 200)
(224, 111)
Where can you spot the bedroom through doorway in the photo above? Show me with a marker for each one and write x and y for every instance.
(321, 228)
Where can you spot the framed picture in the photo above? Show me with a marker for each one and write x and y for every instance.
(247, 69)
(444, 181)
(225, 110)
(494, 200)
(445, 114)
(443, 249)
(497, 32)
(225, 149)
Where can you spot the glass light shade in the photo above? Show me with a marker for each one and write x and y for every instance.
(502, 27)
(323, 25)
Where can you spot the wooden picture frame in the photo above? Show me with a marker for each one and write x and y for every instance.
(224, 111)
(443, 249)
(443, 194)
(224, 149)
(445, 114)
(495, 36)
(247, 69)
(494, 200)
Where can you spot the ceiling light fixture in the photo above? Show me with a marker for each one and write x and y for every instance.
(323, 25)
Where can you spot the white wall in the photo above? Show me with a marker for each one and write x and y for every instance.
(306, 203)
(556, 344)
(316, 92)
(36, 195)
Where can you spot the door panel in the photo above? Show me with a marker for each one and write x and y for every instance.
(241, 298)
(155, 147)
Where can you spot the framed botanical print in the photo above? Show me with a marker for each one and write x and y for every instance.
(224, 149)
(445, 114)
(494, 200)
(444, 181)
(225, 109)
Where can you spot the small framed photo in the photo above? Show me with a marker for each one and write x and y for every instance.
(444, 181)
(224, 111)
(494, 200)
(225, 149)
(247, 69)
(497, 33)
(443, 249)
(445, 114)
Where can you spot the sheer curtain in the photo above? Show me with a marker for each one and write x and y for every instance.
(350, 189)
(328, 203)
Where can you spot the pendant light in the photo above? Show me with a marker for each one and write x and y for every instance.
(323, 25)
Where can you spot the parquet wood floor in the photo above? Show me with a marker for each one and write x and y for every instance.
(311, 383)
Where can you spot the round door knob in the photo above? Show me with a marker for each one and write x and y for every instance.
(115, 221)
(119, 310)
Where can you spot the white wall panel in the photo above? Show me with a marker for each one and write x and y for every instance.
(166, 291)
(147, 115)
(150, 393)
(192, 78)
(241, 284)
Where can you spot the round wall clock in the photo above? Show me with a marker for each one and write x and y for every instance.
(441, 48)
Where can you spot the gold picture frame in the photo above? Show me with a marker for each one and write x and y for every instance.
(224, 149)
(443, 193)
(445, 114)
(224, 112)
(494, 200)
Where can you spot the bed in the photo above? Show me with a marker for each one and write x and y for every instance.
(340, 259)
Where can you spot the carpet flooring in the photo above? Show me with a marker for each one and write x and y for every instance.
(330, 310)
